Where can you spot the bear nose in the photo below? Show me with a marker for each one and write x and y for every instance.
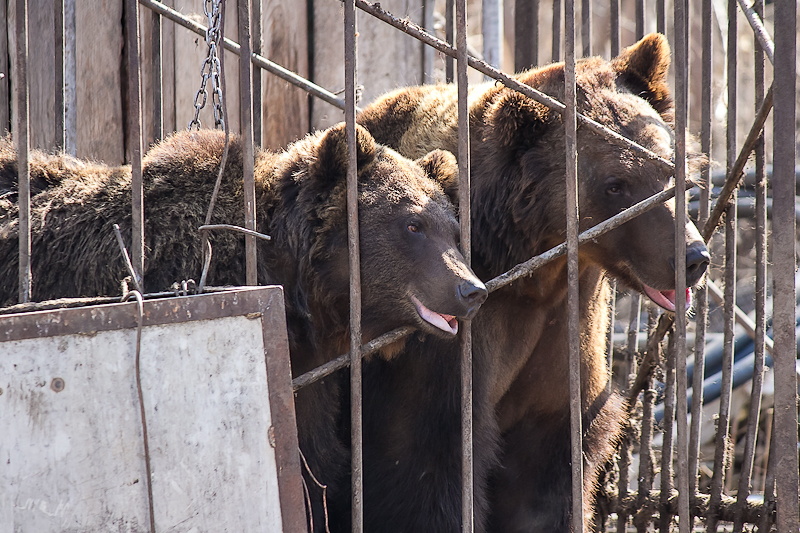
(473, 294)
(697, 260)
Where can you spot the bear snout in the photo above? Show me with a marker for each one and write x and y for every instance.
(472, 294)
(697, 261)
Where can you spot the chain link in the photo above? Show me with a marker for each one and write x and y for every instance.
(211, 68)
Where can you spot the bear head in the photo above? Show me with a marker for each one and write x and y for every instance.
(412, 272)
(630, 96)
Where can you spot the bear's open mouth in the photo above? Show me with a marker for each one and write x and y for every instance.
(447, 323)
(666, 299)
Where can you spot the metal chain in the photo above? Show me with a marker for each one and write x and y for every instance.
(211, 67)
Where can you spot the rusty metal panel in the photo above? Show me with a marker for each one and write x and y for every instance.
(222, 457)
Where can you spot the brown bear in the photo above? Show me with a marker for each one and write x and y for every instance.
(520, 335)
(413, 272)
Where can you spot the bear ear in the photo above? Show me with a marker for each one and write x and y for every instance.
(442, 167)
(643, 67)
(333, 155)
(516, 119)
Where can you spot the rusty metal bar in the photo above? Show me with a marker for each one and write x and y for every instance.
(646, 468)
(639, 19)
(467, 466)
(614, 21)
(246, 127)
(556, 46)
(586, 27)
(259, 61)
(491, 30)
(573, 299)
(356, 430)
(701, 294)
(157, 82)
(679, 353)
(428, 54)
(628, 369)
(785, 262)
(722, 450)
(257, 43)
(58, 45)
(526, 34)
(70, 79)
(134, 140)
(760, 289)
(754, 18)
(450, 18)
(22, 135)
(5, 91)
(667, 445)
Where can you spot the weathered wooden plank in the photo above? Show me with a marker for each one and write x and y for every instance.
(387, 58)
(218, 406)
(99, 79)
(285, 111)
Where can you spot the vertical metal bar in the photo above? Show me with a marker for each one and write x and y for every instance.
(246, 125)
(23, 145)
(258, 97)
(467, 478)
(5, 92)
(681, 109)
(745, 477)
(639, 19)
(614, 16)
(70, 79)
(526, 34)
(556, 55)
(612, 315)
(586, 27)
(571, 147)
(449, 65)
(785, 263)
(665, 518)
(428, 52)
(769, 476)
(701, 294)
(723, 421)
(157, 80)
(492, 30)
(58, 85)
(628, 370)
(356, 431)
(134, 140)
(645, 444)
(661, 17)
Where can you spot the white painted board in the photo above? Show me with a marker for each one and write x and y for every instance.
(72, 451)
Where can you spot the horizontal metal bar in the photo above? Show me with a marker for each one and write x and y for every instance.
(259, 61)
(344, 360)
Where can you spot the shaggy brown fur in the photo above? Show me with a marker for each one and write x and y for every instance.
(409, 239)
(520, 337)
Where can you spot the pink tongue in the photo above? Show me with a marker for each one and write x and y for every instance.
(666, 299)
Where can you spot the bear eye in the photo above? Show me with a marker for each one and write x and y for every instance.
(413, 228)
(614, 187)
